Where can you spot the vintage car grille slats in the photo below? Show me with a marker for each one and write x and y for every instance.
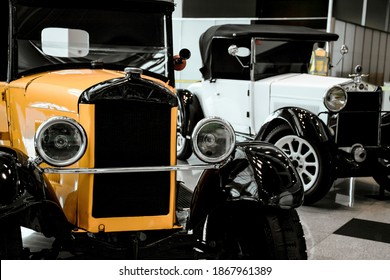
(359, 121)
(131, 133)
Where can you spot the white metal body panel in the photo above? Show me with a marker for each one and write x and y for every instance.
(228, 99)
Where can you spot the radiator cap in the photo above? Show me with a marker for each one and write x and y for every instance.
(133, 72)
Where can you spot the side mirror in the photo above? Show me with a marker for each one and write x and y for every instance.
(233, 50)
(238, 52)
(344, 49)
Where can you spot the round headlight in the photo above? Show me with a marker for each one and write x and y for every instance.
(60, 141)
(213, 140)
(335, 99)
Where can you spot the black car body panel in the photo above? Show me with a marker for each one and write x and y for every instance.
(27, 196)
(252, 175)
(313, 127)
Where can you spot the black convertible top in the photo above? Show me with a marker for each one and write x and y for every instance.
(209, 41)
(284, 32)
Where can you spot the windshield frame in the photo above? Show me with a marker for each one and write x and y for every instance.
(161, 13)
(254, 47)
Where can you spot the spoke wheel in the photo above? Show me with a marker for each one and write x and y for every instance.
(303, 157)
(311, 160)
(183, 145)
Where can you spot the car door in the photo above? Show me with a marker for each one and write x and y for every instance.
(232, 103)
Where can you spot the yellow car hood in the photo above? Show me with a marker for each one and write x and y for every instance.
(61, 90)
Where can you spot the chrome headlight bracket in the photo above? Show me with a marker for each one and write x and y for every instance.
(213, 140)
(60, 141)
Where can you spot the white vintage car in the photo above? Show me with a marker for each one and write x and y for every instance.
(256, 77)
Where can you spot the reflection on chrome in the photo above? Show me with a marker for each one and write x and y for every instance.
(130, 169)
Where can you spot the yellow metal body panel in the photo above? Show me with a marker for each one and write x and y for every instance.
(4, 131)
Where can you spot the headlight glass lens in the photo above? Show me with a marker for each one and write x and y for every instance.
(60, 141)
(213, 140)
(335, 99)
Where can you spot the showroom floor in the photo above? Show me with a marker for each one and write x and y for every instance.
(349, 227)
(351, 223)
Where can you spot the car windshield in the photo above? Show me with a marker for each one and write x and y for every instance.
(65, 37)
(280, 57)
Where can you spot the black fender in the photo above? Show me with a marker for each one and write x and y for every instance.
(28, 197)
(303, 122)
(191, 111)
(259, 174)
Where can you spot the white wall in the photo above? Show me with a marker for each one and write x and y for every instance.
(178, 12)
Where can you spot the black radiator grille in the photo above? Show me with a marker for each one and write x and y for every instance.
(130, 134)
(358, 122)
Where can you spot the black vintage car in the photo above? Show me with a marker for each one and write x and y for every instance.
(88, 145)
(257, 77)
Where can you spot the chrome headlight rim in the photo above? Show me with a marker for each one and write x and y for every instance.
(329, 100)
(231, 138)
(59, 120)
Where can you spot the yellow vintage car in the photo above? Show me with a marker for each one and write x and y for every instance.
(88, 115)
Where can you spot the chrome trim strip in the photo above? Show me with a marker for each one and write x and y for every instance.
(129, 169)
